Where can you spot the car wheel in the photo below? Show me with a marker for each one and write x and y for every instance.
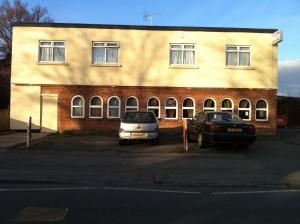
(121, 142)
(155, 141)
(201, 141)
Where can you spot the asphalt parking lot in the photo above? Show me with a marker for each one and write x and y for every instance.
(100, 160)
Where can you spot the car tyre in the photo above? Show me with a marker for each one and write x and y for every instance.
(201, 141)
(155, 141)
(121, 141)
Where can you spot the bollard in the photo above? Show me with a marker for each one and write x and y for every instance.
(28, 137)
(184, 136)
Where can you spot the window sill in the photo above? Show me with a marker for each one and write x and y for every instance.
(106, 65)
(53, 63)
(240, 67)
(184, 66)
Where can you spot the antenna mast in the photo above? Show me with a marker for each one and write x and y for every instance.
(149, 16)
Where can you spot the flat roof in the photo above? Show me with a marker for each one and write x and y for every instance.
(143, 27)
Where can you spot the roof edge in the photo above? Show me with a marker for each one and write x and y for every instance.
(143, 27)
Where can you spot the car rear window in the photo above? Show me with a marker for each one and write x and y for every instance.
(223, 117)
(139, 117)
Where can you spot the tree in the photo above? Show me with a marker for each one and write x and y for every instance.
(16, 13)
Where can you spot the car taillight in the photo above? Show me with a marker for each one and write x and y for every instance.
(251, 129)
(214, 128)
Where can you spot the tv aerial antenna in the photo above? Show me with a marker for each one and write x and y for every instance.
(149, 16)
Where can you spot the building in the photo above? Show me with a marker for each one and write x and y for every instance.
(288, 107)
(84, 77)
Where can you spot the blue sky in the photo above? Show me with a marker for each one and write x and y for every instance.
(284, 15)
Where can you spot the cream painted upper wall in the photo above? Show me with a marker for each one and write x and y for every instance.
(144, 58)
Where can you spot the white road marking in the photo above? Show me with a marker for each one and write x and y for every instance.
(255, 192)
(151, 190)
(50, 189)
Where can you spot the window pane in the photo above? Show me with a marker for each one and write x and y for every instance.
(231, 48)
(113, 112)
(244, 58)
(260, 114)
(230, 111)
(111, 44)
(45, 54)
(77, 111)
(96, 112)
(131, 102)
(244, 114)
(153, 102)
(177, 46)
(189, 57)
(261, 104)
(176, 57)
(98, 55)
(231, 58)
(209, 103)
(77, 101)
(58, 54)
(245, 48)
(188, 113)
(155, 111)
(170, 113)
(189, 46)
(112, 55)
(98, 44)
(171, 102)
(59, 43)
(96, 101)
(188, 103)
(226, 104)
(45, 43)
(114, 102)
(244, 104)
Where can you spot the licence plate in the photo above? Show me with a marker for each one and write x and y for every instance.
(138, 134)
(234, 130)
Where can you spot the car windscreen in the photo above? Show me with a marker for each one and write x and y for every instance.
(226, 117)
(139, 117)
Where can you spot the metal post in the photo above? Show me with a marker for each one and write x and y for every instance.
(184, 135)
(28, 139)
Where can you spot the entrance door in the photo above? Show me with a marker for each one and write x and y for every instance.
(49, 113)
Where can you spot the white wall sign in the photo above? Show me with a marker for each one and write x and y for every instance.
(277, 37)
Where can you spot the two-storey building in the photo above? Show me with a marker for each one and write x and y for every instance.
(84, 77)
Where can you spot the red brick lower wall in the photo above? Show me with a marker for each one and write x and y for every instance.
(66, 92)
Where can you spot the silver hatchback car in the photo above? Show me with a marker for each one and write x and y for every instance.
(139, 125)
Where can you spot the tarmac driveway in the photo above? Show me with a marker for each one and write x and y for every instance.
(99, 160)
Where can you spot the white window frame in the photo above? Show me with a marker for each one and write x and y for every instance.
(105, 49)
(96, 106)
(72, 106)
(245, 109)
(210, 108)
(188, 108)
(262, 109)
(182, 50)
(132, 107)
(154, 107)
(172, 108)
(52, 47)
(225, 108)
(238, 51)
(108, 107)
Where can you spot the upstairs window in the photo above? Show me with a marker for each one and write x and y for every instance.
(105, 53)
(227, 105)
(131, 104)
(52, 51)
(154, 106)
(171, 108)
(182, 54)
(209, 105)
(237, 55)
(188, 108)
(262, 110)
(245, 109)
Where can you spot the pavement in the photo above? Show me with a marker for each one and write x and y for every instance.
(99, 160)
(13, 139)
